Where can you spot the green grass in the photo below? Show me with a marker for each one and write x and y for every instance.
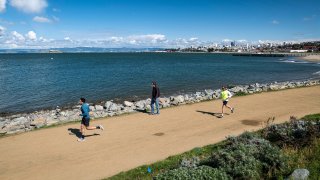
(171, 162)
(306, 158)
(312, 117)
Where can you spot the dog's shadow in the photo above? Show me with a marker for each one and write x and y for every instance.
(76, 132)
(218, 115)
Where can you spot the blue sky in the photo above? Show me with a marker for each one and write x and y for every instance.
(118, 23)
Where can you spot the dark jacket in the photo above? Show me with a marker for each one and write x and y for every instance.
(155, 92)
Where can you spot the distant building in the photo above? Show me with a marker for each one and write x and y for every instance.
(298, 51)
(233, 43)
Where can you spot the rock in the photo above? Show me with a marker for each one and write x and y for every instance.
(274, 87)
(20, 120)
(39, 122)
(92, 108)
(140, 105)
(108, 104)
(128, 104)
(99, 108)
(209, 92)
(300, 174)
(113, 107)
(177, 100)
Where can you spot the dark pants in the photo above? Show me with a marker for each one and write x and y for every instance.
(85, 121)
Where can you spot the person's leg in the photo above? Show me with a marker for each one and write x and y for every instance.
(152, 106)
(157, 105)
(82, 130)
(231, 108)
(222, 109)
(88, 127)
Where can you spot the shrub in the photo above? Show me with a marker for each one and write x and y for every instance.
(198, 173)
(296, 133)
(190, 163)
(248, 157)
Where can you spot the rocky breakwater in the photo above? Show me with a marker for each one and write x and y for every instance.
(29, 121)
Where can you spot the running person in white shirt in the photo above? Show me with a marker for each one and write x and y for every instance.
(225, 96)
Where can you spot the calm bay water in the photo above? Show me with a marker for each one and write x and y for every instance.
(31, 82)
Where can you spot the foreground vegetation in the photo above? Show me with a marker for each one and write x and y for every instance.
(272, 153)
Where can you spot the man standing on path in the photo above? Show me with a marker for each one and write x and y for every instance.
(86, 119)
(155, 98)
(225, 96)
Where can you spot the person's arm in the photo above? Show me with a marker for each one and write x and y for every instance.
(158, 92)
(81, 111)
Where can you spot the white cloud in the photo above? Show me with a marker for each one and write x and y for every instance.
(275, 22)
(2, 30)
(41, 19)
(29, 6)
(193, 39)
(226, 40)
(2, 5)
(242, 41)
(31, 35)
(17, 36)
(148, 38)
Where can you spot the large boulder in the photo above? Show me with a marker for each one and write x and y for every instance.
(140, 105)
(209, 92)
(38, 122)
(128, 104)
(113, 107)
(274, 87)
(300, 174)
(99, 108)
(108, 104)
(91, 108)
(177, 100)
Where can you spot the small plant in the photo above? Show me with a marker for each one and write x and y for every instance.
(190, 163)
(198, 173)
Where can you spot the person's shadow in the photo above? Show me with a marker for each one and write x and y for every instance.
(218, 115)
(76, 132)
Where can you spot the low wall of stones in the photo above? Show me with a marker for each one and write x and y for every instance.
(29, 121)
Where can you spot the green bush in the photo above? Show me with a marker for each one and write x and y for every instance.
(296, 133)
(198, 173)
(248, 157)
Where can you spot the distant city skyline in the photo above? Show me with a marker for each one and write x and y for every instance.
(156, 23)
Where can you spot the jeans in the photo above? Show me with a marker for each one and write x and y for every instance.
(155, 100)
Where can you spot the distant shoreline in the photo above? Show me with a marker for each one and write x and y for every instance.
(311, 58)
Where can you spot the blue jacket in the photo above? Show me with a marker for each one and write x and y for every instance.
(85, 110)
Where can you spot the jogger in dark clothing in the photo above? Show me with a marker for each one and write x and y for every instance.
(155, 98)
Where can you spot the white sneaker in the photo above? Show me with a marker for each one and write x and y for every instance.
(221, 115)
(232, 110)
(101, 127)
(81, 139)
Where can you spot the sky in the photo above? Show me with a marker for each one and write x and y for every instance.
(154, 23)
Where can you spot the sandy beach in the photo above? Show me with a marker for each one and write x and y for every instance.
(311, 58)
(137, 139)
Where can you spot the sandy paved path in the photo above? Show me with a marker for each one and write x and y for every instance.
(129, 141)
